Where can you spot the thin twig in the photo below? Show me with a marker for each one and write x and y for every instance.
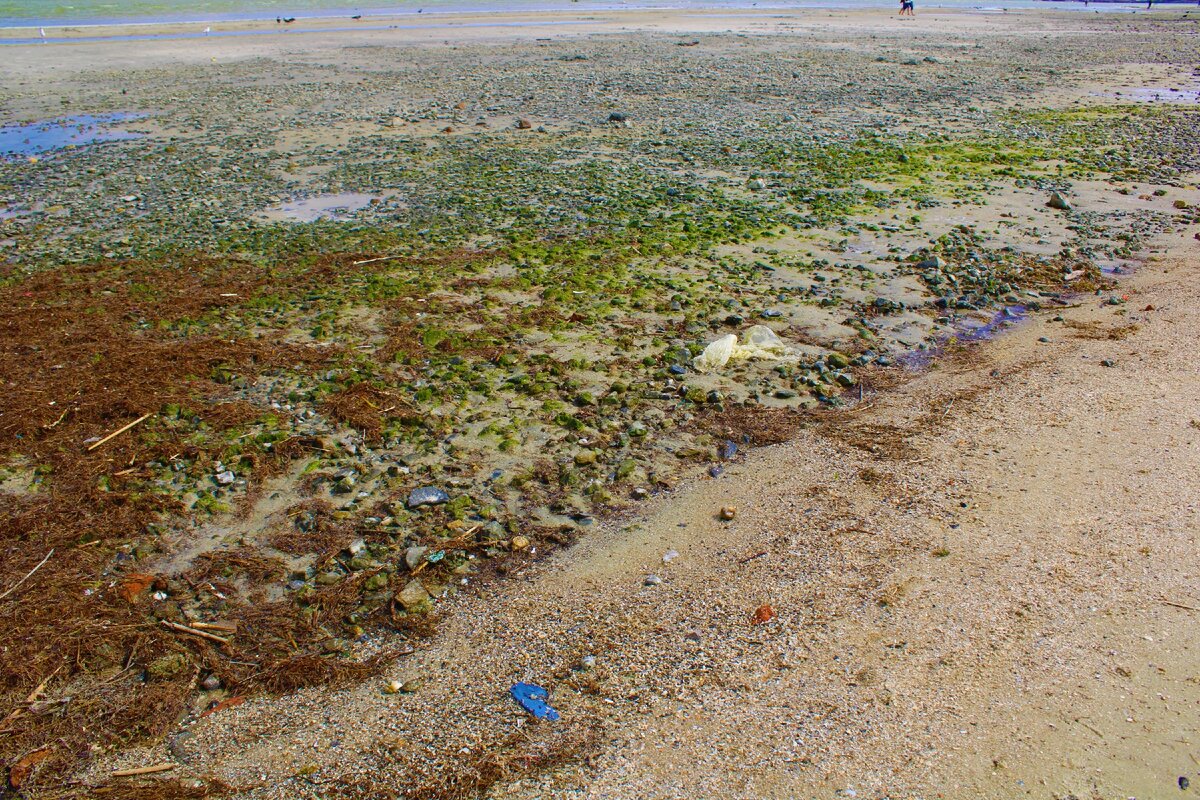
(119, 431)
(125, 773)
(373, 260)
(202, 634)
(1179, 605)
(32, 698)
(13, 588)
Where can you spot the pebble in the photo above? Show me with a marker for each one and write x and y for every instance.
(652, 580)
(1059, 202)
(427, 496)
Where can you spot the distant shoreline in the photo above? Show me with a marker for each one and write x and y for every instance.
(373, 15)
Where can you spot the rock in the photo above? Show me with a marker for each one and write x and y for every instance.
(756, 184)
(639, 493)
(727, 450)
(586, 663)
(618, 116)
(376, 582)
(652, 580)
(225, 478)
(1108, 362)
(519, 543)
(211, 683)
(414, 555)
(427, 496)
(1059, 202)
(357, 547)
(411, 686)
(837, 361)
(933, 262)
(167, 666)
(524, 124)
(413, 597)
(328, 578)
(584, 457)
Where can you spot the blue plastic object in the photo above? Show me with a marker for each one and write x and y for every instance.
(532, 698)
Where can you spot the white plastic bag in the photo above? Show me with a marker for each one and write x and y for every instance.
(758, 341)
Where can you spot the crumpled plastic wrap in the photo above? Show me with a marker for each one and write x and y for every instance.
(758, 341)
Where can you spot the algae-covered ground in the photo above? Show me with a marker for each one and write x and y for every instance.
(403, 316)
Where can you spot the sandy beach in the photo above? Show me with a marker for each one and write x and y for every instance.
(356, 374)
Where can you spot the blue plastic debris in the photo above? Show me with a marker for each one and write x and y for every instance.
(532, 698)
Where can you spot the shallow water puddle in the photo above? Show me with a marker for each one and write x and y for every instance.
(39, 137)
(1159, 94)
(326, 206)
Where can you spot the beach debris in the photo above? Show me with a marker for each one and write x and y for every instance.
(763, 614)
(670, 556)
(224, 704)
(652, 580)
(728, 512)
(21, 770)
(532, 698)
(129, 773)
(119, 431)
(1059, 202)
(758, 341)
(13, 588)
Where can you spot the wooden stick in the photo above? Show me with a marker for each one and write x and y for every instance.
(13, 588)
(125, 773)
(373, 260)
(32, 698)
(119, 431)
(203, 635)
(215, 626)
(1179, 605)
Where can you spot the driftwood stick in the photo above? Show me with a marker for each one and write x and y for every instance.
(125, 773)
(373, 260)
(1166, 602)
(192, 631)
(119, 431)
(13, 588)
